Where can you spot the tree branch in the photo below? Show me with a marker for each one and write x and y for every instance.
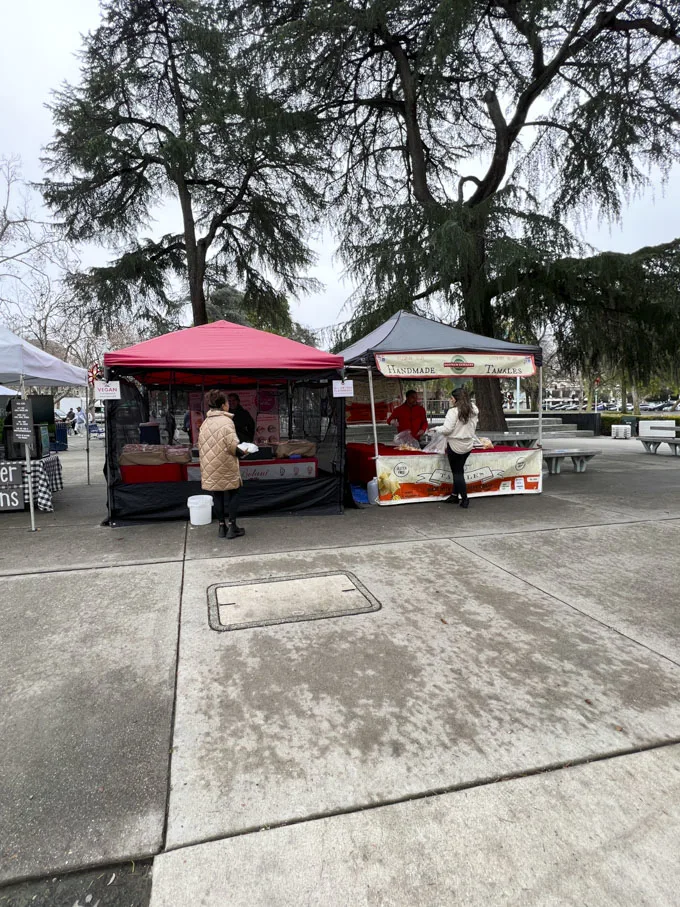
(647, 25)
(414, 139)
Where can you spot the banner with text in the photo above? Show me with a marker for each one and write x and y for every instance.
(404, 480)
(455, 365)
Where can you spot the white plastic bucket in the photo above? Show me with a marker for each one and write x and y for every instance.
(200, 509)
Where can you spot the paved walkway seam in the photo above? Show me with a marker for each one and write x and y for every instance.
(163, 560)
(376, 544)
(171, 740)
(407, 541)
(432, 792)
(556, 598)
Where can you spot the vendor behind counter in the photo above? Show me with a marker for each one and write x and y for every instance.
(410, 416)
(243, 421)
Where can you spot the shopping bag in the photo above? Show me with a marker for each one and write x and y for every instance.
(436, 444)
(406, 439)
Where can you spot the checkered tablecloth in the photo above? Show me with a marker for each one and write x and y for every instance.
(46, 476)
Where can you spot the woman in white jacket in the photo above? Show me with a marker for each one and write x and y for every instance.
(459, 428)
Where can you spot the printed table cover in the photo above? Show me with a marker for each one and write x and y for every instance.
(427, 477)
(47, 477)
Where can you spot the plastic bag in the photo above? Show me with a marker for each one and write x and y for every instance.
(436, 444)
(406, 439)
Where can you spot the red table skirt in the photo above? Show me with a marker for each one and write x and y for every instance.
(302, 468)
(163, 472)
(361, 458)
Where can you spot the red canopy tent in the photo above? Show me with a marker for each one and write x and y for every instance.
(176, 368)
(216, 348)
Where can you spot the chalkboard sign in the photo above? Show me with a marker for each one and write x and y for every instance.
(11, 488)
(22, 421)
(12, 497)
(10, 474)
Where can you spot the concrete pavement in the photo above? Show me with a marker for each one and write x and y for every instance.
(87, 679)
(517, 637)
(450, 683)
(599, 834)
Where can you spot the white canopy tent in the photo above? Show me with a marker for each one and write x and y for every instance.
(23, 363)
(7, 392)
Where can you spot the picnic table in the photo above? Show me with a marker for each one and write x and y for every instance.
(553, 459)
(512, 438)
(651, 445)
(654, 433)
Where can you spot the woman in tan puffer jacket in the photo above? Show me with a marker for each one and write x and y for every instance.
(219, 454)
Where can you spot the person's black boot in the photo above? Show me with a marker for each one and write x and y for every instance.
(465, 503)
(452, 499)
(235, 531)
(222, 531)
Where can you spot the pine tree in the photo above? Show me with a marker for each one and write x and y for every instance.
(470, 134)
(165, 112)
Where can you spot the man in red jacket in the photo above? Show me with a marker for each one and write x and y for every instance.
(410, 416)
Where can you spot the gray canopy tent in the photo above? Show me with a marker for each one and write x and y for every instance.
(411, 346)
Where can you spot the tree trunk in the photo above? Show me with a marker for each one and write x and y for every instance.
(198, 309)
(195, 256)
(636, 399)
(490, 402)
(624, 395)
(534, 402)
(590, 390)
(479, 319)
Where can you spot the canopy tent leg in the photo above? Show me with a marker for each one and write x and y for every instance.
(375, 427)
(27, 450)
(109, 448)
(540, 406)
(517, 393)
(87, 430)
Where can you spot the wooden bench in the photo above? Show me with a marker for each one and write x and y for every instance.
(651, 444)
(553, 459)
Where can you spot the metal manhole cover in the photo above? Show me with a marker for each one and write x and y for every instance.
(311, 596)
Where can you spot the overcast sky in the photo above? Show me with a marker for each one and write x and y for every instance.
(39, 41)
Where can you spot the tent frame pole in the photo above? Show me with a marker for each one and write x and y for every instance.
(540, 406)
(27, 451)
(373, 422)
(88, 389)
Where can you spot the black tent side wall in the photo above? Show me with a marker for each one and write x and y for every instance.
(155, 501)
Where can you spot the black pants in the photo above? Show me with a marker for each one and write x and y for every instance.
(226, 501)
(457, 464)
